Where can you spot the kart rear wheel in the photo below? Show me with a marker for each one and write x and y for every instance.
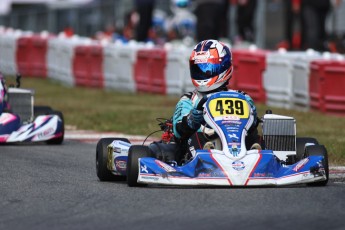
(58, 140)
(135, 152)
(319, 150)
(300, 146)
(102, 171)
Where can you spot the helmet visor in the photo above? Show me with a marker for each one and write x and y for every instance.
(212, 68)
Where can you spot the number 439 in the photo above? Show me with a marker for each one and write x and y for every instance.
(230, 107)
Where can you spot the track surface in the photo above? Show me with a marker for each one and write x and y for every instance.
(55, 187)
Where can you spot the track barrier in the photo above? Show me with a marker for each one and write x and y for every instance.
(293, 80)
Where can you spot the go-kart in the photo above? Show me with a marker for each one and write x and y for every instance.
(22, 122)
(282, 159)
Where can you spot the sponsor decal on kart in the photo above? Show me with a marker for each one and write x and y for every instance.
(117, 150)
(233, 137)
(231, 122)
(238, 165)
(264, 174)
(232, 129)
(150, 178)
(120, 165)
(120, 147)
(300, 164)
(143, 168)
(231, 119)
(46, 132)
(229, 95)
(232, 144)
(234, 150)
(211, 174)
(164, 166)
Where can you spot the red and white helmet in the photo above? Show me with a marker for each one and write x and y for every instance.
(210, 65)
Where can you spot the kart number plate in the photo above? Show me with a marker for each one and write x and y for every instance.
(224, 107)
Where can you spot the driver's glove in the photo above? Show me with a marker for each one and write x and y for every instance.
(195, 118)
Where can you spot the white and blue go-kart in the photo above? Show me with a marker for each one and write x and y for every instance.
(282, 160)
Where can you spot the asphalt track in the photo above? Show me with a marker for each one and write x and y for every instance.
(56, 187)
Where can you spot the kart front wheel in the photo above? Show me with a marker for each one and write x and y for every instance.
(300, 146)
(103, 173)
(58, 140)
(319, 150)
(42, 110)
(135, 152)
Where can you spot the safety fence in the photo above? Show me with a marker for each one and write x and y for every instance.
(293, 80)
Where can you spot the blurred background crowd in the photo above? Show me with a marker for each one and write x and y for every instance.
(270, 24)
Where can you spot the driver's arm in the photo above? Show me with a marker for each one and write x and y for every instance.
(183, 108)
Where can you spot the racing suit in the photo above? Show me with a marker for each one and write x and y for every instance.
(3, 96)
(191, 139)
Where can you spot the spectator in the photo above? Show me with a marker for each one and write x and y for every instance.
(314, 13)
(157, 32)
(337, 41)
(130, 23)
(224, 24)
(210, 17)
(293, 24)
(182, 22)
(145, 11)
(245, 19)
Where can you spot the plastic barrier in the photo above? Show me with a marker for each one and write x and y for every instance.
(177, 71)
(118, 66)
(290, 80)
(81, 69)
(52, 60)
(300, 85)
(23, 55)
(60, 58)
(249, 66)
(37, 56)
(8, 49)
(327, 80)
(31, 55)
(286, 79)
(149, 73)
(88, 66)
(96, 66)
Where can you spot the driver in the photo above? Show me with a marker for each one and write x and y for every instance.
(3, 95)
(210, 69)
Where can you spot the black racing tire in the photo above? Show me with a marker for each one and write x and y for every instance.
(135, 152)
(59, 140)
(319, 150)
(300, 146)
(42, 110)
(102, 171)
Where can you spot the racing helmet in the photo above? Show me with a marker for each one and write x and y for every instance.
(181, 3)
(210, 65)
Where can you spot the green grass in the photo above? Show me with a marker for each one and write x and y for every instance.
(96, 109)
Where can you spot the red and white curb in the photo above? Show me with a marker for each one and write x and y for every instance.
(337, 172)
(87, 136)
